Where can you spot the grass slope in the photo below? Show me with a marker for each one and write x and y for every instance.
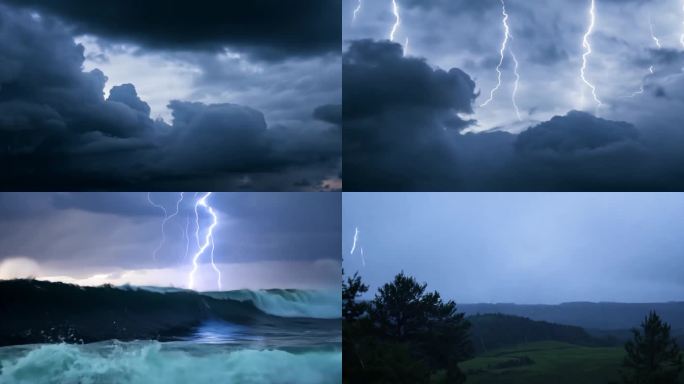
(547, 362)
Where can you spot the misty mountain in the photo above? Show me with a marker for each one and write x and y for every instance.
(591, 316)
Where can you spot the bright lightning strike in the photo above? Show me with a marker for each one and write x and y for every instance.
(357, 10)
(356, 239)
(208, 240)
(397, 20)
(502, 54)
(355, 243)
(587, 51)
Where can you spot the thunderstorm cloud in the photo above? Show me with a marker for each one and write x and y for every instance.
(414, 119)
(194, 98)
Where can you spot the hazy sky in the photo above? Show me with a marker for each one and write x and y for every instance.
(249, 94)
(263, 240)
(522, 247)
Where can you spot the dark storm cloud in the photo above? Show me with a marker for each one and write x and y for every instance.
(397, 138)
(270, 29)
(377, 78)
(330, 113)
(58, 131)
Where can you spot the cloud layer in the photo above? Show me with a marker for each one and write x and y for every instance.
(268, 28)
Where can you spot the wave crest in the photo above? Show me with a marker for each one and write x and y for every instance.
(289, 302)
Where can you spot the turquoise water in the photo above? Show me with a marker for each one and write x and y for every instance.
(152, 362)
(305, 347)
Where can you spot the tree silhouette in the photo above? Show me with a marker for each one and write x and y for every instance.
(653, 356)
(404, 335)
(402, 311)
(352, 289)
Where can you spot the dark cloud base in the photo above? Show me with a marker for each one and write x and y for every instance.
(268, 29)
(60, 133)
(402, 131)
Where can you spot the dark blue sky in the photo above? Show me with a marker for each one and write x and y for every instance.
(522, 247)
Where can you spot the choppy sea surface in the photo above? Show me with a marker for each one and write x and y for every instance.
(307, 350)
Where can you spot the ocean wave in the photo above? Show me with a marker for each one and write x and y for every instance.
(289, 302)
(152, 362)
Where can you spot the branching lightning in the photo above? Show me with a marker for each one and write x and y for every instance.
(502, 55)
(651, 69)
(208, 240)
(586, 44)
(164, 221)
(357, 10)
(397, 20)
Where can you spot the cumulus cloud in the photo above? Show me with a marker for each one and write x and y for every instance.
(59, 132)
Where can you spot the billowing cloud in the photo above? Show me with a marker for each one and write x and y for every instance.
(59, 131)
(399, 136)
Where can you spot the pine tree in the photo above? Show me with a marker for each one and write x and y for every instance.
(653, 356)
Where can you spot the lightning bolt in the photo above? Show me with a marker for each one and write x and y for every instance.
(354, 246)
(166, 220)
(587, 51)
(681, 38)
(406, 47)
(163, 237)
(653, 35)
(502, 54)
(515, 86)
(357, 10)
(187, 237)
(397, 20)
(651, 69)
(356, 238)
(363, 258)
(208, 240)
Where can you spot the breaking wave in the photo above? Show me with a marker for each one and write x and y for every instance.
(289, 302)
(152, 362)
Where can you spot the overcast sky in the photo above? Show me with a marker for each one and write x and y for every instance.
(227, 95)
(262, 240)
(523, 248)
(405, 110)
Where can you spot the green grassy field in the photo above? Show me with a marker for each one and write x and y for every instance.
(546, 362)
